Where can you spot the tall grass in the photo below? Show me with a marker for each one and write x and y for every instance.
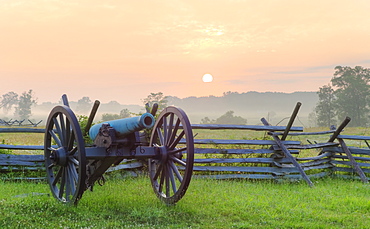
(22, 139)
(130, 203)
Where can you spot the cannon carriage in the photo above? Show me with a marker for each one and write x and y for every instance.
(72, 167)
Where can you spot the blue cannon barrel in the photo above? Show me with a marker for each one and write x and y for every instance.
(125, 126)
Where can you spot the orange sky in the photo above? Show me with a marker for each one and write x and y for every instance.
(124, 50)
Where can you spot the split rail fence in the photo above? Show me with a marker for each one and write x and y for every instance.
(35, 162)
(19, 123)
(278, 156)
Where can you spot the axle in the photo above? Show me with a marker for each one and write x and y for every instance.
(99, 153)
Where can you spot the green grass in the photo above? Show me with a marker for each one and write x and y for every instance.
(131, 203)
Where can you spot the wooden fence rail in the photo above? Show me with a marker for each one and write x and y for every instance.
(282, 159)
(263, 159)
(19, 123)
(35, 162)
(274, 157)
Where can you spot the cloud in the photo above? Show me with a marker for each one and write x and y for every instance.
(306, 70)
(236, 82)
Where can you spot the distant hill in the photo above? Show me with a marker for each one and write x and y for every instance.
(250, 105)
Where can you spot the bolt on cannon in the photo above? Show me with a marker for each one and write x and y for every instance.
(72, 167)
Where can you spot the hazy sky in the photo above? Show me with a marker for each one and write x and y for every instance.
(124, 50)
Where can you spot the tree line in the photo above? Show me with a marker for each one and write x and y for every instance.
(347, 94)
(162, 101)
(22, 103)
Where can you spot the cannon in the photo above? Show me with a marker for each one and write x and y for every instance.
(72, 167)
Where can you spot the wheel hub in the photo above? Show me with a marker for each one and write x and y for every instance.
(163, 153)
(59, 156)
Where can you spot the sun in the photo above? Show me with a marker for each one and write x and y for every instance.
(207, 78)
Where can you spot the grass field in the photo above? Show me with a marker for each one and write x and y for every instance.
(130, 203)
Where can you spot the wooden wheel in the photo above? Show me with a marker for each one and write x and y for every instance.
(65, 158)
(170, 173)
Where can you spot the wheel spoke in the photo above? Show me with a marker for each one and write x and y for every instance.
(170, 128)
(72, 159)
(55, 137)
(159, 169)
(62, 133)
(68, 185)
(172, 179)
(176, 170)
(57, 176)
(178, 160)
(72, 178)
(160, 136)
(69, 136)
(162, 180)
(174, 132)
(71, 140)
(167, 181)
(165, 129)
(62, 183)
(73, 151)
(73, 171)
(172, 152)
(57, 126)
(178, 139)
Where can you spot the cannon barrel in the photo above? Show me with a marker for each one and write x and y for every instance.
(125, 126)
